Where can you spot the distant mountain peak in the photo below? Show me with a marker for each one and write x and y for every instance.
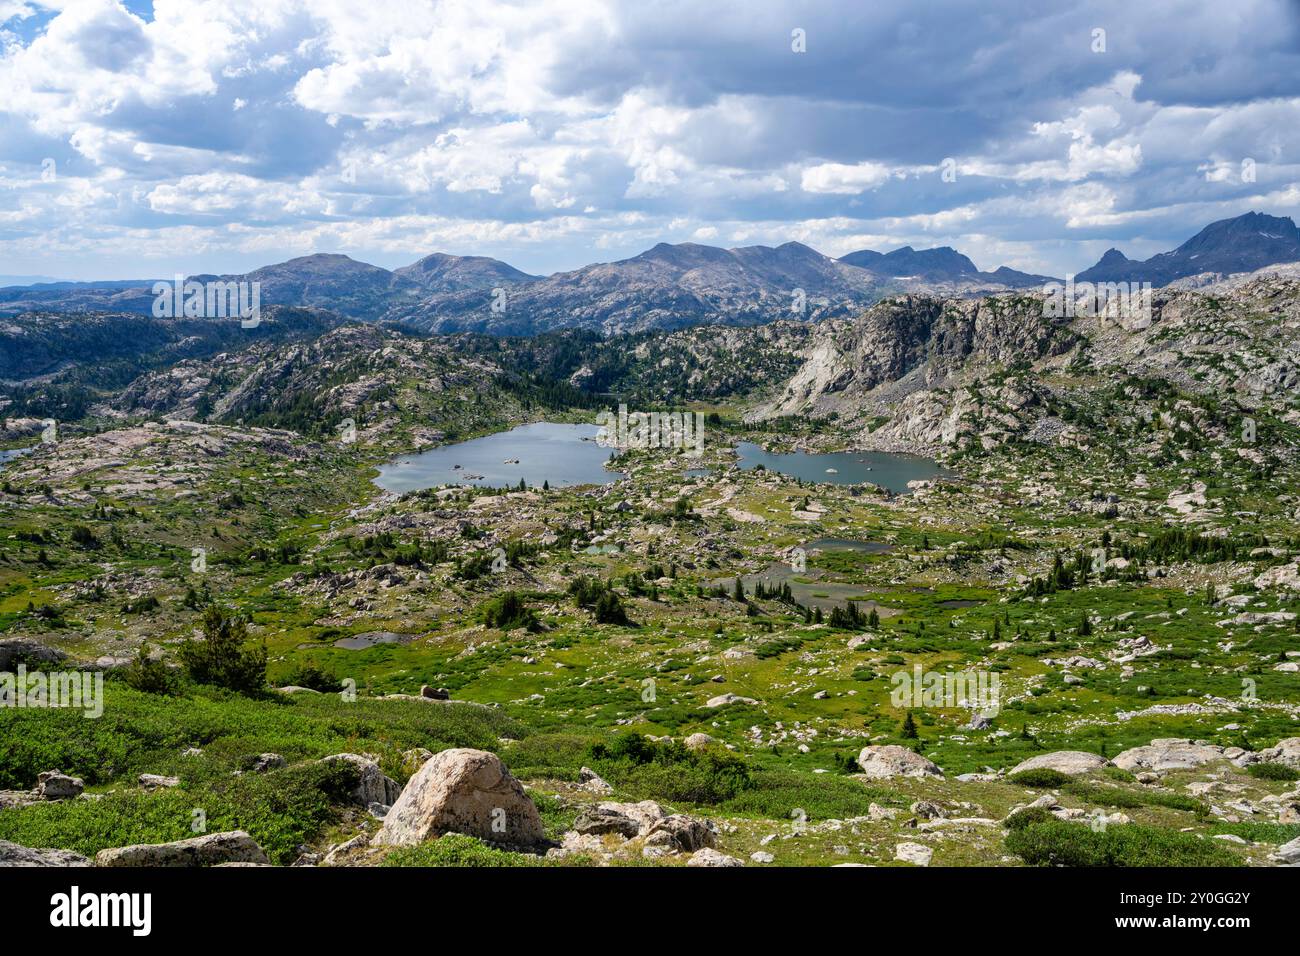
(1243, 243)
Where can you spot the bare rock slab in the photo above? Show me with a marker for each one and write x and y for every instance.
(11, 854)
(234, 846)
(890, 760)
(1071, 762)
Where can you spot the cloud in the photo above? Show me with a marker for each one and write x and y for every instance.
(554, 132)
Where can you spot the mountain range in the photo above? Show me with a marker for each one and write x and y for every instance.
(668, 286)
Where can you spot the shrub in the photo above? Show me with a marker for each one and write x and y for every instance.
(1056, 843)
(313, 676)
(507, 611)
(456, 849)
(1029, 816)
(1128, 799)
(1273, 771)
(1040, 777)
(666, 770)
(221, 658)
(150, 676)
(281, 810)
(775, 794)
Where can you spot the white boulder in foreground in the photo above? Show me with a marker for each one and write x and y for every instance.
(462, 791)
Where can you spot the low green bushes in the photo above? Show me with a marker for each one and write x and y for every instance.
(1273, 771)
(1040, 777)
(1056, 843)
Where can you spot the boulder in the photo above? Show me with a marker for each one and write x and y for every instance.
(11, 854)
(588, 779)
(153, 781)
(916, 853)
(890, 760)
(682, 834)
(373, 785)
(463, 791)
(53, 785)
(1169, 753)
(1289, 853)
(723, 700)
(25, 650)
(1287, 751)
(711, 857)
(265, 762)
(1072, 762)
(605, 818)
(236, 846)
(699, 741)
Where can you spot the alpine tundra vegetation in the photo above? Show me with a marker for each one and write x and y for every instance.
(1078, 644)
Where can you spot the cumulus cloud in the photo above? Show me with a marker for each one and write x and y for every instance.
(555, 132)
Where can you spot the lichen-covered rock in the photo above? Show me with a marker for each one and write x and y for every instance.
(1072, 762)
(11, 854)
(682, 834)
(463, 791)
(373, 785)
(1168, 753)
(53, 785)
(890, 760)
(235, 846)
(711, 857)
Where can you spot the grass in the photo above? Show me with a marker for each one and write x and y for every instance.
(1273, 771)
(146, 733)
(1131, 799)
(281, 810)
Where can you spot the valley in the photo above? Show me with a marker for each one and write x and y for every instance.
(1110, 530)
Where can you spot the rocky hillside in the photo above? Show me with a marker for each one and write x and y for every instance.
(923, 374)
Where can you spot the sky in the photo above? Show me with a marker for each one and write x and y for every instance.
(141, 139)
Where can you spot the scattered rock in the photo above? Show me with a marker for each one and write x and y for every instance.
(153, 781)
(265, 762)
(210, 849)
(591, 781)
(710, 857)
(682, 833)
(890, 760)
(1169, 753)
(917, 853)
(53, 785)
(605, 819)
(722, 700)
(373, 785)
(11, 854)
(1072, 762)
